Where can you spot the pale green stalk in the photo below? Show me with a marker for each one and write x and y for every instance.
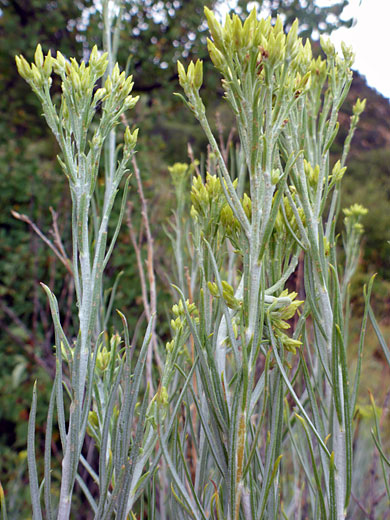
(80, 163)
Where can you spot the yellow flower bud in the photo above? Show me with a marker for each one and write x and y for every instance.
(291, 41)
(182, 74)
(59, 63)
(358, 228)
(279, 222)
(327, 46)
(275, 176)
(338, 172)
(215, 27)
(176, 324)
(349, 55)
(115, 74)
(231, 301)
(227, 218)
(247, 205)
(102, 359)
(108, 84)
(162, 397)
(102, 64)
(93, 419)
(38, 56)
(191, 73)
(359, 106)
(215, 55)
(289, 344)
(36, 75)
(74, 77)
(130, 102)
(85, 79)
(213, 288)
(93, 57)
(127, 85)
(228, 288)
(249, 29)
(194, 214)
(312, 174)
(237, 32)
(48, 65)
(99, 95)
(23, 67)
(130, 139)
(326, 246)
(228, 295)
(198, 75)
(278, 27)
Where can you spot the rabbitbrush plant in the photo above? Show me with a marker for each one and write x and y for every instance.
(253, 416)
(98, 369)
(273, 428)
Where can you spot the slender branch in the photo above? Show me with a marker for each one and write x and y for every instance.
(360, 506)
(138, 257)
(60, 253)
(57, 235)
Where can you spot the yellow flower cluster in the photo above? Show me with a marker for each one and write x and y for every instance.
(280, 224)
(264, 50)
(256, 45)
(193, 78)
(227, 294)
(178, 172)
(78, 85)
(353, 214)
(280, 324)
(210, 208)
(229, 221)
(270, 41)
(205, 196)
(180, 314)
(356, 210)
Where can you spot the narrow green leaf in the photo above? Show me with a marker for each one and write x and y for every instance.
(224, 306)
(367, 296)
(207, 382)
(105, 472)
(60, 335)
(378, 443)
(379, 335)
(119, 222)
(233, 447)
(380, 449)
(131, 461)
(270, 481)
(87, 493)
(332, 489)
(32, 465)
(293, 394)
(331, 139)
(189, 505)
(111, 300)
(317, 477)
(47, 456)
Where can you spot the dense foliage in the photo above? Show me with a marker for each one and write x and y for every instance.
(30, 175)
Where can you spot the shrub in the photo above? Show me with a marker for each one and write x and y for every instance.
(253, 416)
